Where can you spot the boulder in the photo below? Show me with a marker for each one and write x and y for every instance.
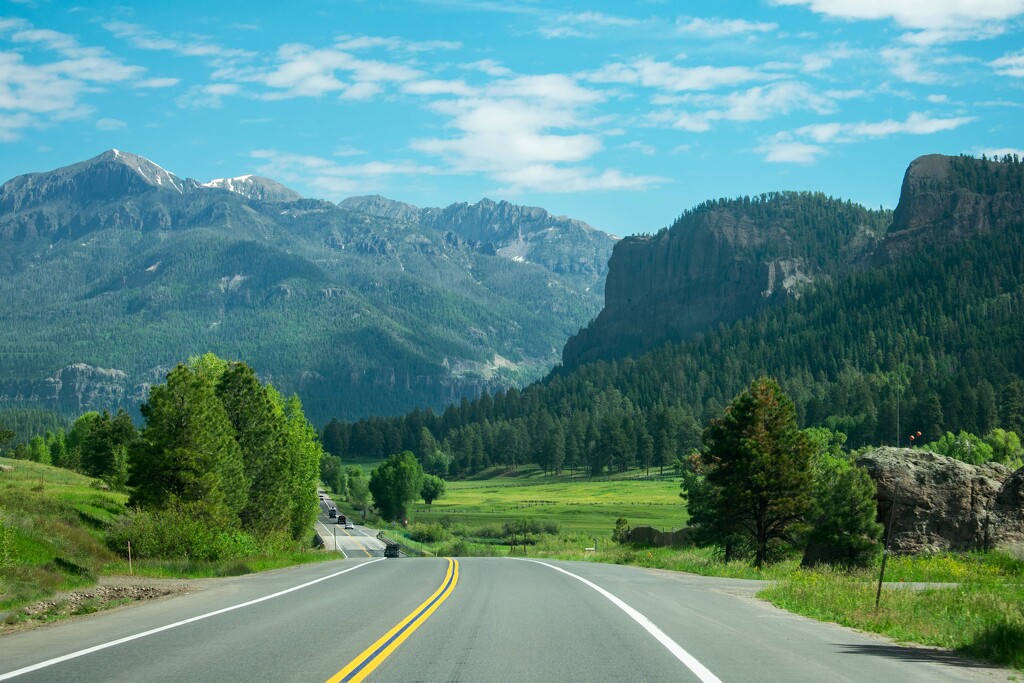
(944, 504)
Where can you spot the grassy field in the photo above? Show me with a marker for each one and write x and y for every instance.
(580, 505)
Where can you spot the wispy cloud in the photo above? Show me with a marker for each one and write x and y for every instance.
(45, 79)
(110, 124)
(1009, 65)
(720, 28)
(758, 103)
(190, 46)
(670, 77)
(335, 180)
(783, 149)
(915, 124)
(805, 144)
(528, 133)
(584, 24)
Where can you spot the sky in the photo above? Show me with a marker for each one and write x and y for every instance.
(620, 114)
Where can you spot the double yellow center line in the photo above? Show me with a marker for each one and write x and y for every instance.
(360, 667)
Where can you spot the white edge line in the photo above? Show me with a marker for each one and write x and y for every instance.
(119, 641)
(691, 662)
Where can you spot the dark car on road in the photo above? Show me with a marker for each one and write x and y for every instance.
(332, 512)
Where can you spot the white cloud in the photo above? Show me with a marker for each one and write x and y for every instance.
(1009, 65)
(12, 124)
(782, 149)
(999, 152)
(643, 148)
(667, 76)
(110, 124)
(157, 83)
(916, 123)
(208, 96)
(347, 43)
(335, 180)
(303, 71)
(191, 46)
(719, 28)
(906, 65)
(438, 87)
(935, 20)
(489, 67)
(43, 81)
(527, 132)
(917, 14)
(804, 145)
(758, 103)
(582, 25)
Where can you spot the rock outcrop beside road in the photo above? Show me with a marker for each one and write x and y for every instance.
(944, 504)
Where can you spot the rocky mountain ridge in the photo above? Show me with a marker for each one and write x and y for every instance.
(135, 269)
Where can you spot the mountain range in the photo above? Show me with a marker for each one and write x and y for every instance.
(113, 269)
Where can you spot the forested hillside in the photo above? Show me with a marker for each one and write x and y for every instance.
(114, 268)
(931, 336)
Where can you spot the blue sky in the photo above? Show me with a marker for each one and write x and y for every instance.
(619, 114)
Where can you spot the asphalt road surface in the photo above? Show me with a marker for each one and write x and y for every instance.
(471, 619)
(358, 542)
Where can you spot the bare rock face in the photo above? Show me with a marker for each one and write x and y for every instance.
(944, 504)
(946, 199)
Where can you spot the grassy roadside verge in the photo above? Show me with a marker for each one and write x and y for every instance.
(53, 540)
(981, 618)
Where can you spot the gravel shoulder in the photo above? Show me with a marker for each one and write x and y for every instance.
(111, 592)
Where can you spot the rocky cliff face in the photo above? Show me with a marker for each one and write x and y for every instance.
(726, 260)
(518, 233)
(944, 504)
(945, 199)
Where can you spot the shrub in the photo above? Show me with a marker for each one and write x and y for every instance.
(428, 533)
(178, 533)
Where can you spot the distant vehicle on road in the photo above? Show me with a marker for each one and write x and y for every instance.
(391, 550)
(342, 519)
(332, 512)
(350, 525)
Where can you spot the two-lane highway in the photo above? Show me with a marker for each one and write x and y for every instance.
(359, 541)
(474, 619)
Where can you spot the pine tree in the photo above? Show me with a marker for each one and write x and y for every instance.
(759, 465)
(187, 452)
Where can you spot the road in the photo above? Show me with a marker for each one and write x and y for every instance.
(474, 619)
(358, 542)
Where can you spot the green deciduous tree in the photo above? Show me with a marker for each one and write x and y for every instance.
(395, 484)
(964, 447)
(433, 488)
(1006, 448)
(759, 465)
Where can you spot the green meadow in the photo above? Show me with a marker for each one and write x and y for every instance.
(587, 506)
